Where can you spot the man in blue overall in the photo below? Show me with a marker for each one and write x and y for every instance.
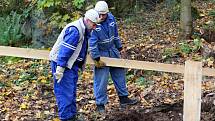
(67, 56)
(104, 41)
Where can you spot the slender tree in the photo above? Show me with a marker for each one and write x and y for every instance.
(186, 20)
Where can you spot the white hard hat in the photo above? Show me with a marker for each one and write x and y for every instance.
(101, 7)
(92, 15)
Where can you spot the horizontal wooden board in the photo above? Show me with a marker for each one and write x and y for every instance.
(124, 63)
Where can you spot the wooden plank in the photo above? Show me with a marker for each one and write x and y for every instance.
(192, 91)
(208, 72)
(24, 52)
(124, 63)
(43, 54)
(134, 64)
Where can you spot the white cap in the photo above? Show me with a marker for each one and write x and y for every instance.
(101, 7)
(92, 15)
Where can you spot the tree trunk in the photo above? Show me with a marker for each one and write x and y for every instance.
(186, 20)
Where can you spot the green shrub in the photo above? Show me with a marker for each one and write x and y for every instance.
(193, 46)
(78, 3)
(196, 45)
(185, 47)
(61, 12)
(10, 27)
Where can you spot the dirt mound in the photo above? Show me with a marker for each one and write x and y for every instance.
(166, 112)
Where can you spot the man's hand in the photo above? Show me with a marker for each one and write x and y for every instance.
(99, 64)
(59, 73)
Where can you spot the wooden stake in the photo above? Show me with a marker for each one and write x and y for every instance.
(192, 91)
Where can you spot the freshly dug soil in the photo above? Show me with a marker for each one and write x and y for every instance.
(166, 112)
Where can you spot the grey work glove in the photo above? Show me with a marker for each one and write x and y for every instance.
(59, 73)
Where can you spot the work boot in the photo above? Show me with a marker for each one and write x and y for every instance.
(100, 108)
(124, 101)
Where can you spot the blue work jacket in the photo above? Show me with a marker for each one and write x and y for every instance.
(104, 40)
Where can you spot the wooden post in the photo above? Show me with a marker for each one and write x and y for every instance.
(192, 91)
